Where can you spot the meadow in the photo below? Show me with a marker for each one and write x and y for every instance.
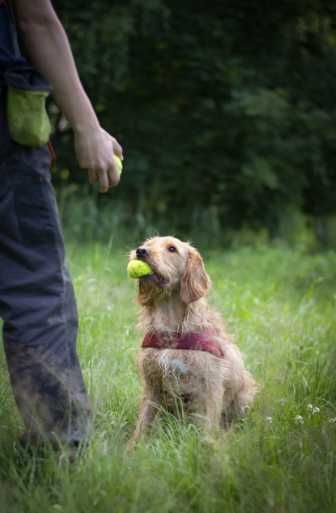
(279, 304)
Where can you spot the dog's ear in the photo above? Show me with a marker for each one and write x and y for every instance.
(195, 281)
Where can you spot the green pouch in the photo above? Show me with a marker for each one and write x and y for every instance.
(27, 117)
(28, 121)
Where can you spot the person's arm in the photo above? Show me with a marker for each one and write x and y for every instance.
(49, 50)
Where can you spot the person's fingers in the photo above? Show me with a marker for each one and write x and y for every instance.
(93, 177)
(104, 181)
(117, 148)
(113, 175)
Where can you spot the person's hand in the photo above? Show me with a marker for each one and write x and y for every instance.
(48, 48)
(95, 149)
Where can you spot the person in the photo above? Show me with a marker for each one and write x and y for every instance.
(37, 302)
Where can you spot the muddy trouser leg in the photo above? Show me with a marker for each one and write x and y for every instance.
(37, 303)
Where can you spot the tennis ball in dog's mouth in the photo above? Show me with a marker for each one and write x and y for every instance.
(119, 164)
(138, 269)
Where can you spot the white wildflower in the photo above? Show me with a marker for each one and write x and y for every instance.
(269, 420)
(332, 420)
(315, 410)
(299, 419)
(310, 407)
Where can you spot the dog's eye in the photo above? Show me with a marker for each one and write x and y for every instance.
(172, 249)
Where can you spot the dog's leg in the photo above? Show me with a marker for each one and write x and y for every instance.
(148, 410)
(246, 394)
(207, 410)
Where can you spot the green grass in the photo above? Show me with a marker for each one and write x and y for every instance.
(280, 306)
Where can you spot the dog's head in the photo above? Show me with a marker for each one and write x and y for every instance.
(178, 269)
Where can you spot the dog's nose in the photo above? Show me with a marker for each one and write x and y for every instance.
(141, 253)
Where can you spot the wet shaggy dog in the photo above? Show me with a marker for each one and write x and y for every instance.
(187, 360)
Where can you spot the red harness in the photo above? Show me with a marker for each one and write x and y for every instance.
(203, 341)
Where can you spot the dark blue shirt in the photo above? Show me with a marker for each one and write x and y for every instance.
(9, 54)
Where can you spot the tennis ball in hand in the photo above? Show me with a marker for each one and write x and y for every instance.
(119, 164)
(138, 269)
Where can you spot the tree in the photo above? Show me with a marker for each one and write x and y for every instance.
(225, 107)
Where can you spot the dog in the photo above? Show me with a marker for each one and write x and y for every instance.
(187, 359)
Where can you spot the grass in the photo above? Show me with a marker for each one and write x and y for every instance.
(280, 306)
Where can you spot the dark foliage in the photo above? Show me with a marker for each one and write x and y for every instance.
(222, 107)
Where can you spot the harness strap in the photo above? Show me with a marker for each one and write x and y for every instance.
(202, 341)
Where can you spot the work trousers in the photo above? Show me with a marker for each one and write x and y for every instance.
(37, 302)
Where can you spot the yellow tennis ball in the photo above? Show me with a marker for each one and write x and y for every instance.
(137, 269)
(119, 164)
